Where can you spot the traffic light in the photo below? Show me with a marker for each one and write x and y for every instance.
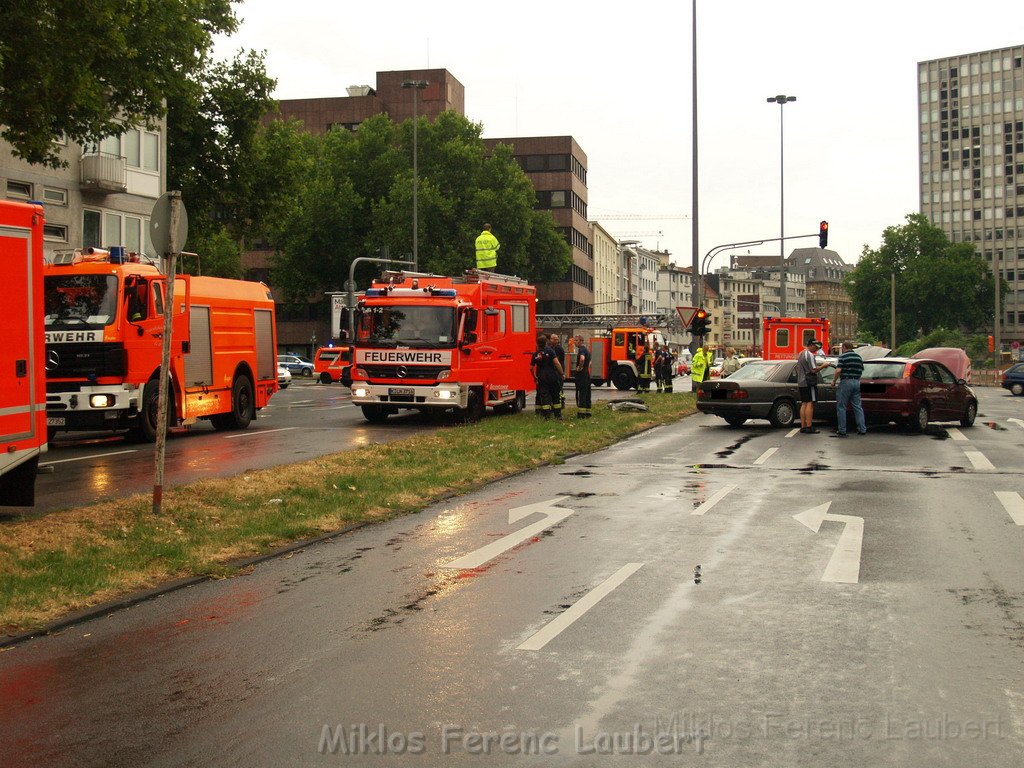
(823, 234)
(701, 323)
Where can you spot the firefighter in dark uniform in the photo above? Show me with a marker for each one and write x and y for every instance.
(643, 366)
(547, 372)
(554, 343)
(581, 374)
(669, 372)
(659, 374)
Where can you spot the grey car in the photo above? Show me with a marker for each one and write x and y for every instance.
(765, 389)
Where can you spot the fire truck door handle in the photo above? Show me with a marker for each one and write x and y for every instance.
(186, 347)
(487, 350)
(21, 368)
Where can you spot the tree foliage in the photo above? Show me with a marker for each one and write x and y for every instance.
(939, 284)
(975, 345)
(358, 198)
(79, 68)
(211, 139)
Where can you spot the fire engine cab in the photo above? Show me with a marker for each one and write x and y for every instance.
(785, 337)
(428, 342)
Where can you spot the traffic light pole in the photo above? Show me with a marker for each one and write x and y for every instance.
(725, 247)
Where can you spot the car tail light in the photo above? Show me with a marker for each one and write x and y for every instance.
(909, 371)
(703, 393)
(737, 394)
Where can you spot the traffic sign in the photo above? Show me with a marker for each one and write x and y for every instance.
(160, 225)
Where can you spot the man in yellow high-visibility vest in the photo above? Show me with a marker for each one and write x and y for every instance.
(487, 246)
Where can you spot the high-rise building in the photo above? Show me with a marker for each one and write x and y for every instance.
(557, 168)
(971, 117)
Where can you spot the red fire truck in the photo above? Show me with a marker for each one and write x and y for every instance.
(785, 337)
(22, 354)
(615, 346)
(104, 327)
(428, 342)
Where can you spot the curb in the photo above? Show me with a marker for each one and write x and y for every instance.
(7, 642)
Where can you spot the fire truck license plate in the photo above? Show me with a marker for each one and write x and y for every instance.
(55, 421)
(406, 391)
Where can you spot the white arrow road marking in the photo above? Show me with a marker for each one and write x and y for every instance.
(765, 456)
(956, 434)
(564, 620)
(257, 434)
(1018, 422)
(552, 516)
(84, 458)
(717, 497)
(1013, 504)
(844, 565)
(978, 459)
(793, 431)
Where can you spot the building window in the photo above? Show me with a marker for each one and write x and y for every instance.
(57, 233)
(55, 196)
(91, 229)
(19, 190)
(151, 152)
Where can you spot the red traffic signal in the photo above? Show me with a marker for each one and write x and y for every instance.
(701, 324)
(823, 234)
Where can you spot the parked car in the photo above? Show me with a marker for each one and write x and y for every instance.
(296, 364)
(914, 392)
(284, 377)
(683, 368)
(764, 389)
(1013, 379)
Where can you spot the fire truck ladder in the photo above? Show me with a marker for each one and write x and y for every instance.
(605, 321)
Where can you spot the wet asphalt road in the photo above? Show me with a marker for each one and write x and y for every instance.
(301, 422)
(919, 661)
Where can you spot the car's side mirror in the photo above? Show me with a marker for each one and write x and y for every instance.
(962, 382)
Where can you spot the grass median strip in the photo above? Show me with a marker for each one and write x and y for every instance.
(69, 560)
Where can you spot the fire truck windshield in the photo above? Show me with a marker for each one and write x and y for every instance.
(411, 326)
(80, 301)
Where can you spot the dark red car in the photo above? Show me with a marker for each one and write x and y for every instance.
(915, 391)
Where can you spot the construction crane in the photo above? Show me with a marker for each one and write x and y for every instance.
(662, 320)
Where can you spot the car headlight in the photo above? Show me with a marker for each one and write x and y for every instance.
(101, 401)
(360, 392)
(444, 394)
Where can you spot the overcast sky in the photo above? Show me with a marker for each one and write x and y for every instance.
(618, 80)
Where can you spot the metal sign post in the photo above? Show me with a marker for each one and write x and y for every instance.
(168, 230)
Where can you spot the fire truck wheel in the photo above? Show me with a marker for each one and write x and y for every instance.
(475, 406)
(325, 378)
(375, 414)
(243, 408)
(623, 378)
(144, 430)
(782, 413)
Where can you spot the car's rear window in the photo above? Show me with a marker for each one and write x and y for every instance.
(883, 371)
(755, 372)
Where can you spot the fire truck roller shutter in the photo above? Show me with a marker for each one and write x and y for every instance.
(199, 358)
(266, 355)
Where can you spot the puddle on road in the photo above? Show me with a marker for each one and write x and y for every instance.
(993, 425)
(577, 473)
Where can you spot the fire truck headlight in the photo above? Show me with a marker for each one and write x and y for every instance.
(444, 374)
(360, 392)
(101, 401)
(444, 394)
(361, 373)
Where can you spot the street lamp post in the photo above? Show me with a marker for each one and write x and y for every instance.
(782, 100)
(417, 86)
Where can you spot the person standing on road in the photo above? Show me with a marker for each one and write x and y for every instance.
(731, 363)
(487, 246)
(851, 368)
(700, 367)
(547, 373)
(807, 381)
(582, 376)
(556, 344)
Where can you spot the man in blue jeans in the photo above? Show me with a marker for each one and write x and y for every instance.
(851, 368)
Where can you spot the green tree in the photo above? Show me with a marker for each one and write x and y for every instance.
(79, 68)
(938, 283)
(358, 199)
(211, 130)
